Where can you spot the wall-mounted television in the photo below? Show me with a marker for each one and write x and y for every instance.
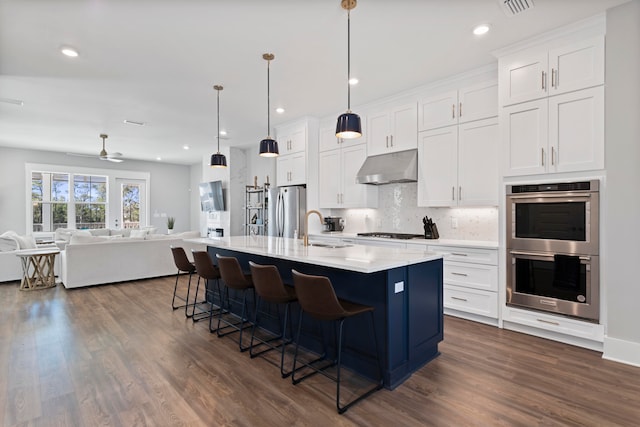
(211, 196)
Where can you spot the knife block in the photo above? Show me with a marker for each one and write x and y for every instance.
(431, 231)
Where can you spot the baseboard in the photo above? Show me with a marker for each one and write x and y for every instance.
(617, 350)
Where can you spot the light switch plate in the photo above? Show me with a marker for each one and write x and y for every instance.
(399, 287)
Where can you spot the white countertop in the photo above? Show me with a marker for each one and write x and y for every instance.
(360, 258)
(482, 244)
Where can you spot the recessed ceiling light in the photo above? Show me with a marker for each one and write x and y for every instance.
(12, 101)
(353, 81)
(158, 158)
(69, 51)
(481, 29)
(223, 132)
(185, 147)
(132, 122)
(279, 110)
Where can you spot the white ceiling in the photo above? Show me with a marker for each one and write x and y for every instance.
(155, 61)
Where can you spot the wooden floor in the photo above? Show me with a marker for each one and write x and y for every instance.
(117, 355)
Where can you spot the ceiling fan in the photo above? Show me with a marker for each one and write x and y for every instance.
(103, 155)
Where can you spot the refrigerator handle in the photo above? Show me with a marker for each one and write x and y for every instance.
(280, 215)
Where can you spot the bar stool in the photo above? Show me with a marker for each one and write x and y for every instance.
(317, 298)
(269, 287)
(207, 271)
(184, 266)
(234, 278)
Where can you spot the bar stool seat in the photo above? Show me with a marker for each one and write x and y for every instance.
(270, 289)
(233, 278)
(318, 299)
(184, 266)
(208, 272)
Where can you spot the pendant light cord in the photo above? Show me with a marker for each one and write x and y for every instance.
(268, 101)
(348, 60)
(218, 105)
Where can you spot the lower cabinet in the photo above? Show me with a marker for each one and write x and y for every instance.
(470, 282)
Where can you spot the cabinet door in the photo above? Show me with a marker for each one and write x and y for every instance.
(438, 167)
(576, 130)
(577, 66)
(478, 164)
(283, 170)
(356, 195)
(378, 132)
(439, 111)
(523, 76)
(524, 133)
(404, 127)
(329, 178)
(291, 139)
(328, 139)
(478, 102)
(298, 169)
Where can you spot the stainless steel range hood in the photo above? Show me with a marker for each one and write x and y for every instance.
(389, 168)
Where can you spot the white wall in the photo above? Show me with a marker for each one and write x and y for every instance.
(621, 247)
(169, 186)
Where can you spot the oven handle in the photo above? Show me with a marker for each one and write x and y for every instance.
(548, 195)
(582, 258)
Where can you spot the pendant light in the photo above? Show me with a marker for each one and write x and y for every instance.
(268, 146)
(348, 126)
(218, 160)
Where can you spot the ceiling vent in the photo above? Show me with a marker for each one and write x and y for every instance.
(515, 7)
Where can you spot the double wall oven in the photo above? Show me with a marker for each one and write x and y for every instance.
(553, 248)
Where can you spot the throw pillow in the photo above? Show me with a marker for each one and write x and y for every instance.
(100, 232)
(81, 239)
(138, 233)
(25, 242)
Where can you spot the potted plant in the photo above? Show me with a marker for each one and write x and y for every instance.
(170, 223)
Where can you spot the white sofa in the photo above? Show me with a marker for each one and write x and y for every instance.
(88, 261)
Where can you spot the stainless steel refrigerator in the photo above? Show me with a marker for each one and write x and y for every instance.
(286, 209)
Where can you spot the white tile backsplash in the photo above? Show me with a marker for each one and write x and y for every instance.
(398, 212)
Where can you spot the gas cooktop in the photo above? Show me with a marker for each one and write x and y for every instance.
(385, 235)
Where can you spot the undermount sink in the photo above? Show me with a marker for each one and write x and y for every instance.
(329, 245)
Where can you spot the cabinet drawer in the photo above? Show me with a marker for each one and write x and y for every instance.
(482, 303)
(477, 276)
(558, 324)
(457, 253)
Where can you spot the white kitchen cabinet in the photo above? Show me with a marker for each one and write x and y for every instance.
(337, 187)
(329, 141)
(474, 102)
(459, 165)
(551, 69)
(292, 139)
(563, 133)
(292, 169)
(392, 128)
(470, 280)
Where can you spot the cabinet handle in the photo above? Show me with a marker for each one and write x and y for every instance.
(549, 322)
(460, 193)
(553, 156)
(542, 156)
(459, 299)
(391, 140)
(460, 110)
(453, 193)
(553, 78)
(341, 198)
(544, 78)
(459, 254)
(459, 274)
(387, 140)
(453, 111)
(338, 198)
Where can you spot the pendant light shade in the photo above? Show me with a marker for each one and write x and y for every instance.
(218, 160)
(268, 146)
(348, 125)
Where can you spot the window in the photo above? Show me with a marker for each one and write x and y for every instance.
(54, 206)
(130, 205)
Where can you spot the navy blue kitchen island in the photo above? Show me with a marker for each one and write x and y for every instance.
(404, 286)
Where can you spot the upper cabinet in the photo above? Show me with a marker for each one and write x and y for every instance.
(339, 161)
(551, 70)
(475, 102)
(391, 128)
(552, 119)
(293, 141)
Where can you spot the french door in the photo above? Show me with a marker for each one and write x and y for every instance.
(131, 203)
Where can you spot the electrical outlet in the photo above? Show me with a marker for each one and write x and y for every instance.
(454, 222)
(399, 287)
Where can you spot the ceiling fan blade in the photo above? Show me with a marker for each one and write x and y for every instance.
(114, 159)
(80, 155)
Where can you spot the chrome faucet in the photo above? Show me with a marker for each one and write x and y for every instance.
(306, 225)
